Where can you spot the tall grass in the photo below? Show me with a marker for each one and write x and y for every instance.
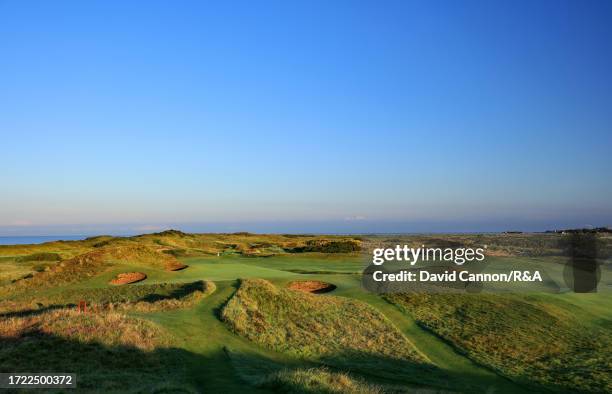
(334, 330)
(109, 352)
(532, 340)
(141, 298)
(316, 380)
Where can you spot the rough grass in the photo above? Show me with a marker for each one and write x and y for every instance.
(179, 244)
(529, 339)
(316, 380)
(141, 298)
(299, 377)
(90, 264)
(335, 330)
(110, 328)
(42, 256)
(123, 354)
(184, 297)
(65, 272)
(327, 246)
(10, 270)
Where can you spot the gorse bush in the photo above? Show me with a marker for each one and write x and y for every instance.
(327, 246)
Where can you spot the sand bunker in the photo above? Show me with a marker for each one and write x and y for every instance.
(176, 266)
(311, 286)
(128, 277)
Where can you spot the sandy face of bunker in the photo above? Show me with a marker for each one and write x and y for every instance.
(128, 277)
(311, 286)
(176, 267)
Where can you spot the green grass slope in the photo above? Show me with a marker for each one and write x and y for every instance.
(109, 352)
(535, 340)
(88, 265)
(316, 380)
(335, 331)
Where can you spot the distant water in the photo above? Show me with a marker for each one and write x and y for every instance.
(39, 239)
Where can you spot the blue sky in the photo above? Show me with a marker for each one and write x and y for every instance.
(343, 116)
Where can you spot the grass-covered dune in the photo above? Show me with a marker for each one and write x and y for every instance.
(317, 380)
(63, 262)
(313, 325)
(138, 298)
(535, 340)
(109, 352)
(336, 331)
(296, 376)
(90, 264)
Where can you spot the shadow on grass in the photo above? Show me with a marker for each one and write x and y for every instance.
(104, 298)
(178, 293)
(219, 308)
(391, 375)
(33, 312)
(99, 367)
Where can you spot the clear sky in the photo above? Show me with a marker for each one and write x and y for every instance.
(316, 116)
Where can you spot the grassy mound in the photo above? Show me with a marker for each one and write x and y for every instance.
(337, 331)
(142, 255)
(65, 272)
(178, 244)
(91, 264)
(141, 298)
(327, 246)
(43, 256)
(530, 339)
(316, 380)
(128, 277)
(183, 296)
(123, 354)
(299, 377)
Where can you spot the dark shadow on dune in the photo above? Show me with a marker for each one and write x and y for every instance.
(180, 268)
(34, 312)
(217, 310)
(385, 372)
(178, 293)
(381, 369)
(99, 368)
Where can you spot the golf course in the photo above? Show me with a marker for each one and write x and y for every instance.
(173, 312)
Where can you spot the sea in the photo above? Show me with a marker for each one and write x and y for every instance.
(38, 239)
